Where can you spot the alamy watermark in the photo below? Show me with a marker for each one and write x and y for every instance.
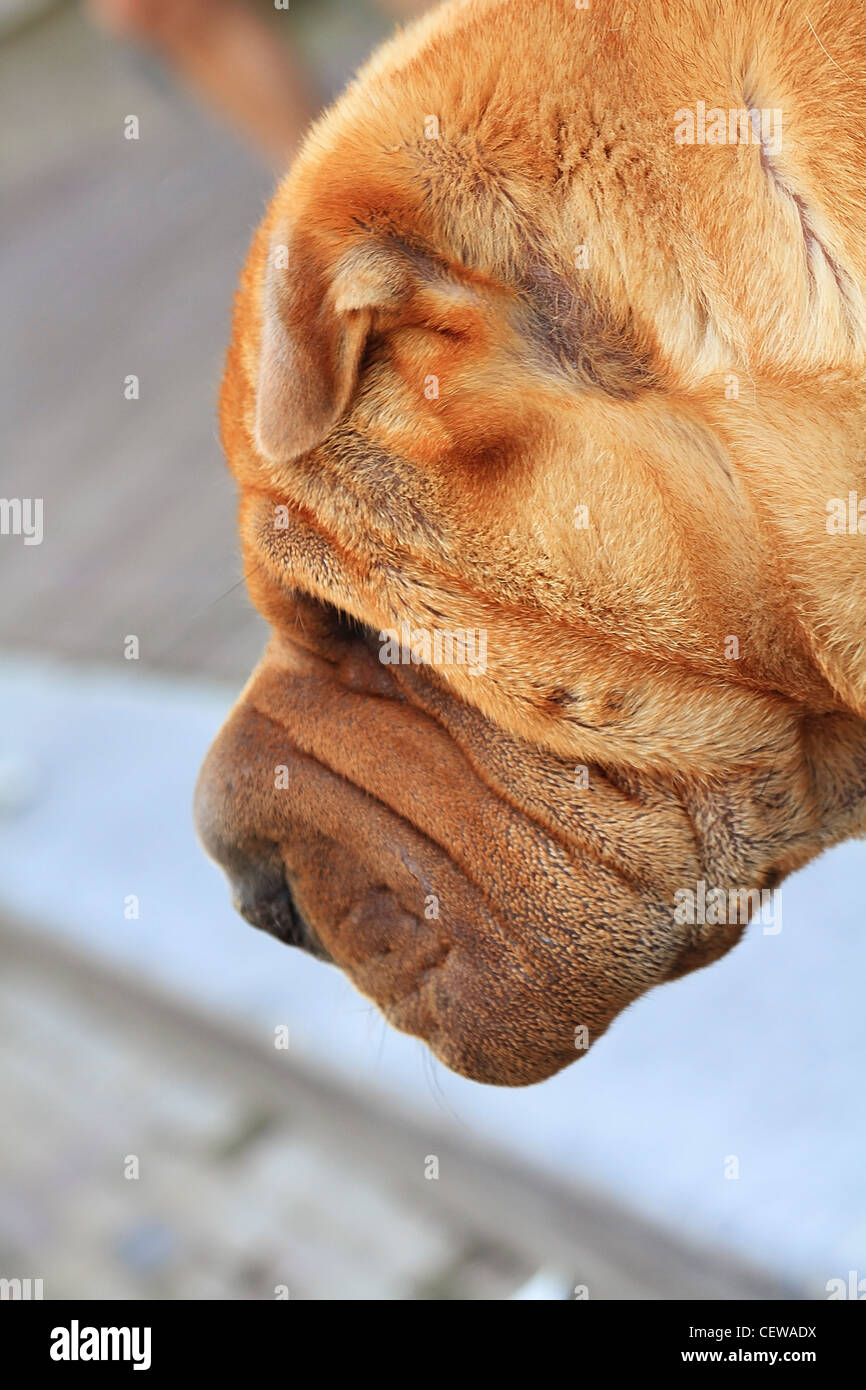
(846, 516)
(77, 1343)
(22, 516)
(854, 1287)
(716, 906)
(21, 1290)
(740, 125)
(434, 647)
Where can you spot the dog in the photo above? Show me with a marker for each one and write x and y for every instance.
(546, 400)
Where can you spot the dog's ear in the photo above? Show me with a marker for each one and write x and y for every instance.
(318, 309)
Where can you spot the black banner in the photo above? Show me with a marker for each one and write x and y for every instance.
(159, 1339)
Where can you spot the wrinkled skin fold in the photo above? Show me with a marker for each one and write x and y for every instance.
(438, 414)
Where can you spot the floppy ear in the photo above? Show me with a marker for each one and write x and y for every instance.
(316, 318)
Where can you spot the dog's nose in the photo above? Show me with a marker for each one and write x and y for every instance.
(260, 888)
(263, 896)
(264, 899)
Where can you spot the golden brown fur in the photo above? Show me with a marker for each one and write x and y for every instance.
(597, 379)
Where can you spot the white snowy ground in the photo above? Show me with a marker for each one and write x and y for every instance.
(760, 1057)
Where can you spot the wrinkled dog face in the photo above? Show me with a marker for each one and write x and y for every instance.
(506, 518)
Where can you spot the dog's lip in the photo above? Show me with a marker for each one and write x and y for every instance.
(352, 660)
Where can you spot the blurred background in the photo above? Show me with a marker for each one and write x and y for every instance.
(189, 1109)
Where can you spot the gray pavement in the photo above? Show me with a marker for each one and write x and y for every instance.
(149, 1150)
(132, 1169)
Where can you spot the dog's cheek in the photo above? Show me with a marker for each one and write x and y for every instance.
(426, 950)
(495, 1000)
(486, 1018)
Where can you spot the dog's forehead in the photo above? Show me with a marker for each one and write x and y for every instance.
(585, 255)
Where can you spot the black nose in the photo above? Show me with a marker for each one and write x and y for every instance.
(263, 896)
(261, 890)
(264, 899)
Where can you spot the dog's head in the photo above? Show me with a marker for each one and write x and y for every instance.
(533, 482)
